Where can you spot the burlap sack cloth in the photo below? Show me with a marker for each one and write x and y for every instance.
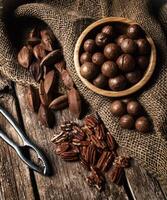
(68, 19)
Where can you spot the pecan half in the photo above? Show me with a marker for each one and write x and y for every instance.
(100, 132)
(62, 147)
(112, 145)
(79, 133)
(98, 143)
(84, 163)
(91, 121)
(91, 155)
(70, 155)
(88, 131)
(105, 161)
(96, 179)
(61, 137)
(117, 171)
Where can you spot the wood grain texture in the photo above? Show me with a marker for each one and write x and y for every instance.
(142, 185)
(15, 181)
(147, 75)
(68, 181)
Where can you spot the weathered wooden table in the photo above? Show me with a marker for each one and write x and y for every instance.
(17, 182)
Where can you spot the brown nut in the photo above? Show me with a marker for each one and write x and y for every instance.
(34, 33)
(89, 45)
(59, 103)
(127, 122)
(108, 30)
(118, 83)
(45, 100)
(74, 102)
(60, 66)
(101, 39)
(67, 80)
(109, 69)
(100, 81)
(118, 108)
(85, 57)
(25, 56)
(142, 124)
(89, 70)
(120, 39)
(112, 51)
(52, 58)
(134, 108)
(47, 39)
(126, 62)
(39, 51)
(33, 41)
(46, 116)
(49, 81)
(36, 70)
(134, 76)
(33, 99)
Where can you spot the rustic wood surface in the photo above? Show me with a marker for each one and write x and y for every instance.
(17, 182)
(68, 180)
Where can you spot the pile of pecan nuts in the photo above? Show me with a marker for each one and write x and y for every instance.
(45, 62)
(94, 147)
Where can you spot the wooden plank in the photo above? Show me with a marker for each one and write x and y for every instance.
(68, 181)
(142, 185)
(15, 181)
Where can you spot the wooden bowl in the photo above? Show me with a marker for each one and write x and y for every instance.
(97, 25)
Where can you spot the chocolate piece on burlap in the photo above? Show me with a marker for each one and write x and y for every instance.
(67, 19)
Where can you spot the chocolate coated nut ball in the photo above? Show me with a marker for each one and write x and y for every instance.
(142, 62)
(89, 45)
(101, 39)
(89, 70)
(126, 62)
(112, 51)
(118, 83)
(109, 69)
(134, 31)
(100, 81)
(143, 46)
(142, 124)
(128, 46)
(118, 108)
(85, 57)
(134, 77)
(126, 122)
(134, 108)
(108, 30)
(120, 39)
(98, 58)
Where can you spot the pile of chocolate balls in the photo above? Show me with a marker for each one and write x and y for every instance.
(131, 115)
(115, 58)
